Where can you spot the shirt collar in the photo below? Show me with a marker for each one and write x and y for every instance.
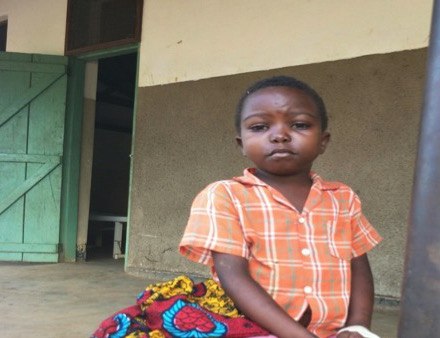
(250, 179)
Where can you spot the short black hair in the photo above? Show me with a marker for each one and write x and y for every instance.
(282, 81)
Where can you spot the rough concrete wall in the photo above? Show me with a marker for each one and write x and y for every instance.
(184, 139)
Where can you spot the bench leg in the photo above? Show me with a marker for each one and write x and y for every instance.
(117, 244)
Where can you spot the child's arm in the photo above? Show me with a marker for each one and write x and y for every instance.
(362, 295)
(252, 299)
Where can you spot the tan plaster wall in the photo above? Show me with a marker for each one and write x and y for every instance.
(197, 39)
(185, 140)
(35, 26)
(85, 179)
(85, 175)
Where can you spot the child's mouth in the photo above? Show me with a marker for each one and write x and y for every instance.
(281, 153)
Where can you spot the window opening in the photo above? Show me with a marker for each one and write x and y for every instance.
(99, 24)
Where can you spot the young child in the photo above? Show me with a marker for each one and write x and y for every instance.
(287, 248)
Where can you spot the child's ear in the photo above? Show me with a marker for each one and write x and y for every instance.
(240, 143)
(325, 139)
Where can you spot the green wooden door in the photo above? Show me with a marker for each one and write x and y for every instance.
(32, 113)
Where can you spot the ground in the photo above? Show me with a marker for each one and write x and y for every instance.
(70, 299)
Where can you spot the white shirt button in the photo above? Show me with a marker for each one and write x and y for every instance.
(308, 289)
(305, 252)
(301, 220)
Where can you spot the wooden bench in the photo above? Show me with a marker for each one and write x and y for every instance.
(118, 220)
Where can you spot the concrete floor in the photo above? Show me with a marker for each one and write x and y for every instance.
(70, 300)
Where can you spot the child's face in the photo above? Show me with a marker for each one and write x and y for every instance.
(281, 131)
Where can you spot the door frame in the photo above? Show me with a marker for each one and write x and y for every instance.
(72, 146)
(71, 160)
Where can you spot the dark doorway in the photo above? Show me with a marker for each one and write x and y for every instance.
(111, 155)
(3, 35)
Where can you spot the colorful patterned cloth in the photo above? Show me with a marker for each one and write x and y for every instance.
(180, 308)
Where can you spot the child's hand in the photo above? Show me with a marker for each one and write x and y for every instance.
(355, 331)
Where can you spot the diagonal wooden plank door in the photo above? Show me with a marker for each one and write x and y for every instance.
(32, 113)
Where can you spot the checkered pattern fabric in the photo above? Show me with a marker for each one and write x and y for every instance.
(300, 259)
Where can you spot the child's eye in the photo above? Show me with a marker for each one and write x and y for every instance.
(258, 127)
(300, 125)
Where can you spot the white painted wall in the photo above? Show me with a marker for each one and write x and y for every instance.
(35, 26)
(194, 39)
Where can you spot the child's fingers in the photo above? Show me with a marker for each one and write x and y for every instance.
(356, 331)
(348, 334)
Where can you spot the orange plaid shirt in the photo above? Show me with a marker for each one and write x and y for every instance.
(300, 259)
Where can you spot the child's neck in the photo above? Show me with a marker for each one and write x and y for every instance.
(295, 188)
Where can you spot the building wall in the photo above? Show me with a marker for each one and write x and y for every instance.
(195, 39)
(86, 164)
(35, 26)
(185, 140)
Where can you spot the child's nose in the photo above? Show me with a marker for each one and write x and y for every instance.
(281, 134)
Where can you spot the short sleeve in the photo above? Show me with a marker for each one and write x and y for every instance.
(364, 236)
(213, 225)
